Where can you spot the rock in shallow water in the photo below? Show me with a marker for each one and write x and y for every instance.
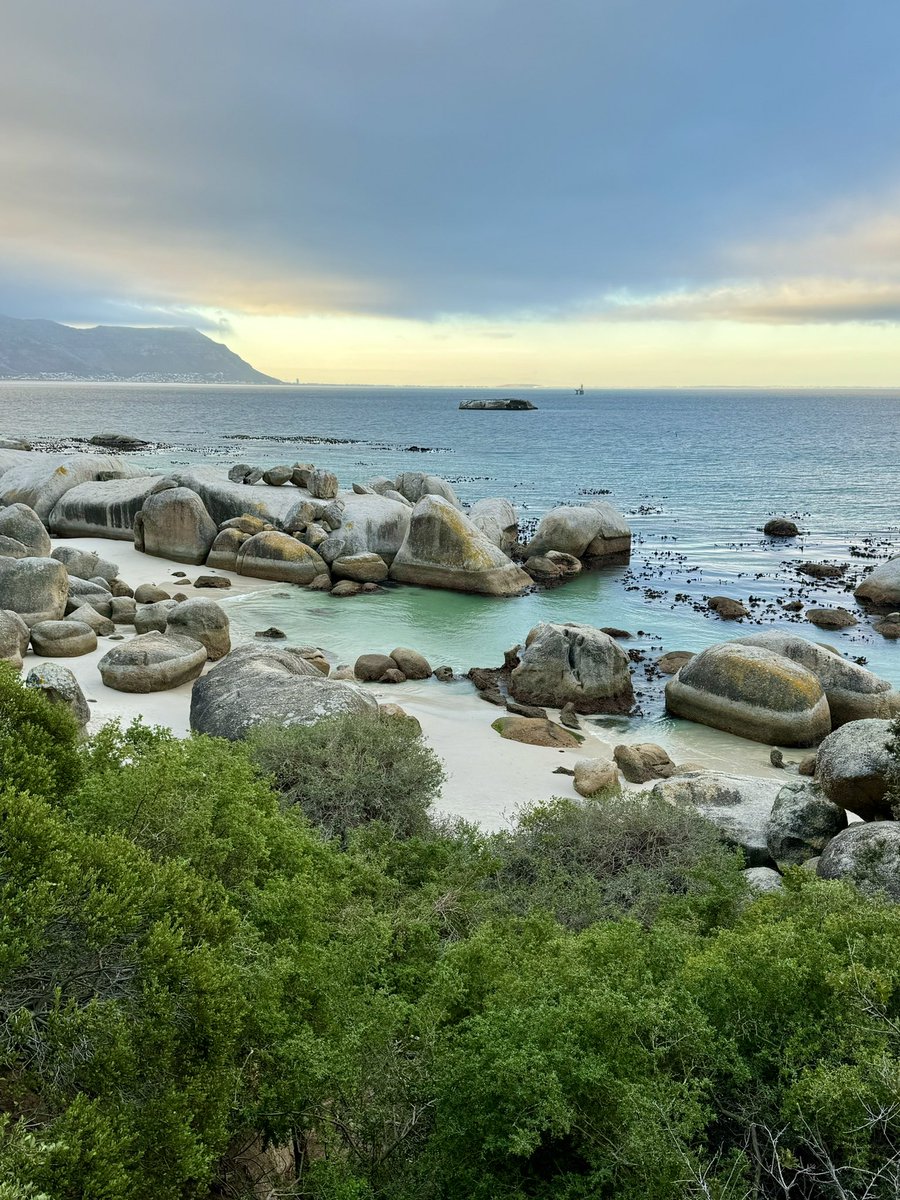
(753, 693)
(853, 693)
(573, 664)
(443, 549)
(535, 732)
(880, 589)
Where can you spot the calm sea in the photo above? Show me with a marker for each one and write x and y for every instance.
(698, 472)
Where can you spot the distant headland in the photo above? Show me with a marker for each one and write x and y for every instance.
(49, 352)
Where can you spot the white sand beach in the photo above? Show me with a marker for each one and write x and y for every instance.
(488, 777)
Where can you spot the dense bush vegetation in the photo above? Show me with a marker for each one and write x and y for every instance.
(348, 771)
(201, 995)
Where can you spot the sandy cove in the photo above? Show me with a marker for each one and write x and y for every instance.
(488, 777)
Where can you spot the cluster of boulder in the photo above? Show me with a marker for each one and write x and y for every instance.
(411, 529)
(805, 822)
(778, 688)
(293, 523)
(61, 601)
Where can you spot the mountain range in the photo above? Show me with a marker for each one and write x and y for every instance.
(45, 350)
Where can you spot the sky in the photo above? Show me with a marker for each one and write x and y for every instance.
(610, 192)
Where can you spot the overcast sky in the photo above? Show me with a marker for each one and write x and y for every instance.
(624, 191)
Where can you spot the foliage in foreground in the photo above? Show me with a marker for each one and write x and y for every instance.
(347, 771)
(587, 1006)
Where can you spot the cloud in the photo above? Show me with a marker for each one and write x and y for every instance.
(787, 302)
(415, 158)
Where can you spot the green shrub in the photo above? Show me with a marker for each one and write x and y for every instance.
(346, 771)
(38, 740)
(634, 854)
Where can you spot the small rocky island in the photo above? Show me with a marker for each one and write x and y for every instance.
(507, 404)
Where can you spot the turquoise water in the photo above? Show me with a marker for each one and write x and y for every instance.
(698, 472)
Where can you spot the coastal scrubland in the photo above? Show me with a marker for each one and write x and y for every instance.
(249, 969)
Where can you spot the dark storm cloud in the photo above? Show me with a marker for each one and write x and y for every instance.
(421, 157)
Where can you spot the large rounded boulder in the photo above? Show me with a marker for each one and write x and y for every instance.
(596, 532)
(443, 549)
(22, 523)
(63, 639)
(204, 621)
(573, 664)
(61, 687)
(35, 588)
(853, 693)
(255, 685)
(881, 588)
(867, 855)
(753, 693)
(175, 524)
(278, 556)
(497, 520)
(370, 524)
(101, 508)
(413, 485)
(852, 766)
(85, 564)
(802, 823)
(152, 662)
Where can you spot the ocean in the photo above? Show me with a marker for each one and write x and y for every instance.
(698, 472)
